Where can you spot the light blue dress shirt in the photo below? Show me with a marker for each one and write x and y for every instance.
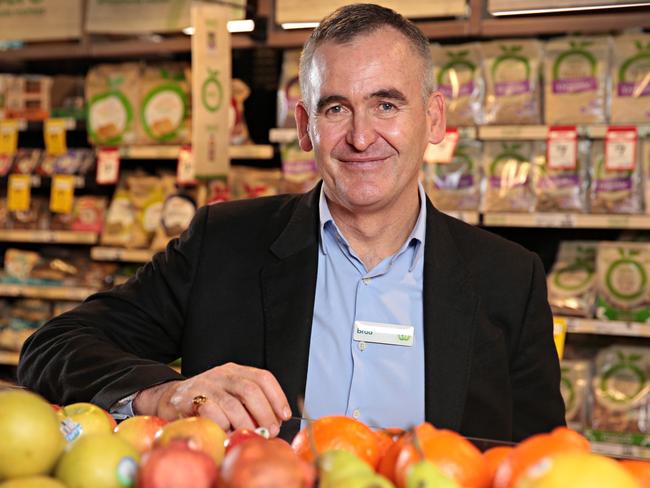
(379, 384)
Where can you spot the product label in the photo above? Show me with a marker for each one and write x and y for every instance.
(185, 167)
(558, 182)
(620, 148)
(613, 184)
(509, 88)
(163, 112)
(8, 137)
(19, 193)
(443, 152)
(562, 144)
(62, 194)
(457, 91)
(453, 181)
(55, 136)
(108, 165)
(575, 85)
(109, 115)
(632, 89)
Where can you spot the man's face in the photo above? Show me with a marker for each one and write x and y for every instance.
(367, 121)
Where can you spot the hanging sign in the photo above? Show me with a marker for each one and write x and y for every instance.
(211, 79)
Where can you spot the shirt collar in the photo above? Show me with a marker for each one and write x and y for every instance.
(416, 237)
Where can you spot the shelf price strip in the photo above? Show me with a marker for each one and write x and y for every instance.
(54, 132)
(108, 166)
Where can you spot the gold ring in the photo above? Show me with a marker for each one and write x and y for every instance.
(197, 401)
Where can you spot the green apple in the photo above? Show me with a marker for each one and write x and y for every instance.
(33, 482)
(337, 464)
(425, 474)
(368, 480)
(31, 439)
(83, 418)
(99, 461)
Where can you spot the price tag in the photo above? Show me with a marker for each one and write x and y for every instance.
(562, 148)
(62, 195)
(19, 193)
(559, 334)
(8, 137)
(443, 152)
(185, 168)
(108, 166)
(54, 133)
(620, 148)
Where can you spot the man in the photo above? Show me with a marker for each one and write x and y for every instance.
(358, 295)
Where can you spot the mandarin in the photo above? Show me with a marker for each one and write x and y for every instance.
(494, 456)
(640, 470)
(338, 432)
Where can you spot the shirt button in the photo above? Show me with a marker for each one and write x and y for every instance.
(356, 413)
(366, 281)
(362, 346)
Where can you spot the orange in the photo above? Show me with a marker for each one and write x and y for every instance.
(386, 438)
(640, 470)
(456, 457)
(338, 432)
(536, 449)
(387, 462)
(494, 456)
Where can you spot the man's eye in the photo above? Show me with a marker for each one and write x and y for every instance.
(386, 106)
(335, 109)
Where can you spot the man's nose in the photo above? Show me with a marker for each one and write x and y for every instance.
(361, 133)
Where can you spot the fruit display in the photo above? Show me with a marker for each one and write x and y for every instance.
(331, 452)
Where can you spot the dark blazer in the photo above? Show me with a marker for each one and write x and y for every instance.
(239, 287)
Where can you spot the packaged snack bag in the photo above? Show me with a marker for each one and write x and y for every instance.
(238, 128)
(620, 389)
(631, 79)
(289, 89)
(112, 94)
(88, 213)
(119, 219)
(613, 192)
(512, 81)
(562, 190)
(26, 161)
(37, 217)
(164, 104)
(623, 289)
(178, 209)
(574, 386)
(247, 182)
(146, 194)
(576, 80)
(298, 168)
(456, 185)
(508, 170)
(572, 280)
(457, 75)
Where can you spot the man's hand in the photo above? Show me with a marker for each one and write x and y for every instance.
(238, 397)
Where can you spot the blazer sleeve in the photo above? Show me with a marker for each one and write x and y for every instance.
(538, 404)
(119, 341)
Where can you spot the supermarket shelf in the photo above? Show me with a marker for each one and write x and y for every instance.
(48, 236)
(566, 220)
(283, 135)
(121, 254)
(620, 450)
(577, 325)
(466, 216)
(249, 151)
(9, 358)
(540, 132)
(45, 292)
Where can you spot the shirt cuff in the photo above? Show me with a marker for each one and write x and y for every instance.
(123, 409)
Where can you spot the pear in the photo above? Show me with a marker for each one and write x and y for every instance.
(337, 464)
(425, 474)
(368, 480)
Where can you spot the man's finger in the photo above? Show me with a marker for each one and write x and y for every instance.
(255, 401)
(211, 410)
(271, 388)
(235, 412)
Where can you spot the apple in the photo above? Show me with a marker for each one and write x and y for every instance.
(31, 441)
(200, 433)
(238, 436)
(368, 480)
(425, 474)
(177, 466)
(140, 430)
(33, 482)
(85, 418)
(254, 463)
(100, 460)
(335, 465)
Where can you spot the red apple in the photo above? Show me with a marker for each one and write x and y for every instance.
(254, 463)
(140, 431)
(177, 466)
(85, 418)
(200, 433)
(239, 436)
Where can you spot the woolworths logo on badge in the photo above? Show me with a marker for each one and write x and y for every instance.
(212, 92)
(404, 338)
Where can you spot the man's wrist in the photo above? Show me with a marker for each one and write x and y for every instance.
(146, 401)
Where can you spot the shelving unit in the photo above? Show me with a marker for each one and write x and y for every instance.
(578, 325)
(9, 358)
(121, 254)
(247, 151)
(620, 450)
(566, 220)
(45, 292)
(48, 236)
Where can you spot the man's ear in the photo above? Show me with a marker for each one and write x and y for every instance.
(302, 123)
(436, 117)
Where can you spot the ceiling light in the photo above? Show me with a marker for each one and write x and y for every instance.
(299, 25)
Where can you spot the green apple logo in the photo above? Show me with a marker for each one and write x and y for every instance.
(641, 64)
(578, 49)
(509, 153)
(212, 92)
(617, 379)
(511, 53)
(457, 60)
(626, 278)
(110, 114)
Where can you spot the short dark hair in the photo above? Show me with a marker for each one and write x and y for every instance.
(348, 22)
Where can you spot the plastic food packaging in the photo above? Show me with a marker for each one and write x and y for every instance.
(238, 128)
(572, 280)
(298, 168)
(562, 190)
(576, 79)
(512, 81)
(113, 97)
(574, 386)
(623, 288)
(620, 390)
(508, 170)
(613, 192)
(631, 79)
(456, 185)
(457, 75)
(289, 89)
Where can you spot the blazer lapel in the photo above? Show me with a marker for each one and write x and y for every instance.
(288, 283)
(450, 307)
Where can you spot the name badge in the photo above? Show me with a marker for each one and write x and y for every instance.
(395, 334)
